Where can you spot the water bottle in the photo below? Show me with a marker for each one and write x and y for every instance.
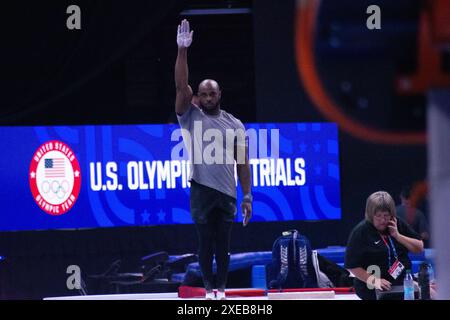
(424, 281)
(408, 286)
(431, 273)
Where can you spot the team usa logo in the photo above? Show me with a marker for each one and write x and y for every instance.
(55, 177)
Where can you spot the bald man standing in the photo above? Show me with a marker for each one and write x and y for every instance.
(212, 179)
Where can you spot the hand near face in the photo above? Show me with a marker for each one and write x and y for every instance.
(392, 228)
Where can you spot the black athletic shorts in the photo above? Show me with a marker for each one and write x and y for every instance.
(208, 203)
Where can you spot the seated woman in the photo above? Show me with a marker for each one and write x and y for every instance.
(377, 249)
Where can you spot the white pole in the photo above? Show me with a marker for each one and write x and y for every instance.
(438, 127)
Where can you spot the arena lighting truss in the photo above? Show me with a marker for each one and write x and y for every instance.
(202, 7)
(200, 12)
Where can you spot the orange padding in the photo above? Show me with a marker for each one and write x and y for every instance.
(197, 292)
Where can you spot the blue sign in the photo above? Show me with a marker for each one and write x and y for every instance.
(125, 175)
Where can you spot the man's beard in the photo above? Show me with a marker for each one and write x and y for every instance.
(210, 107)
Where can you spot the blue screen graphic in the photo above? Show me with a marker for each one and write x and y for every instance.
(127, 176)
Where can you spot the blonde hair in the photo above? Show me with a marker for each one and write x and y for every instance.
(379, 201)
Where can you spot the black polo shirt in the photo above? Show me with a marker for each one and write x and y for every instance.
(365, 247)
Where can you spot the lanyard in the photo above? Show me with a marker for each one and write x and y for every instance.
(389, 249)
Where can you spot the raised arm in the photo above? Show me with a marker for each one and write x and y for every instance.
(184, 91)
(413, 245)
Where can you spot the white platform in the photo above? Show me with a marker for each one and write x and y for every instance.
(174, 296)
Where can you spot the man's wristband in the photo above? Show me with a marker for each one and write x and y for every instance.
(248, 198)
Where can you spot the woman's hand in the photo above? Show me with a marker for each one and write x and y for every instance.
(392, 227)
(383, 284)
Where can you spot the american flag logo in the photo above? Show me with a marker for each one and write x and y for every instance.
(55, 168)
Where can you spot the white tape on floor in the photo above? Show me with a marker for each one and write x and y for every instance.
(301, 295)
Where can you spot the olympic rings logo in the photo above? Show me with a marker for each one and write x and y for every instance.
(55, 187)
(55, 177)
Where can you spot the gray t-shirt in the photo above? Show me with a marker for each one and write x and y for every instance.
(211, 147)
